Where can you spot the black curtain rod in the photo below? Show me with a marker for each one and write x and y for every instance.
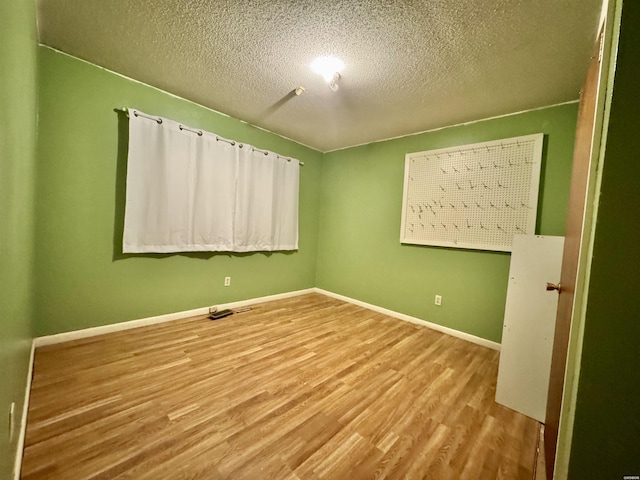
(158, 120)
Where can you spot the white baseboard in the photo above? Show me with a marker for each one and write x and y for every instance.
(117, 327)
(17, 466)
(408, 318)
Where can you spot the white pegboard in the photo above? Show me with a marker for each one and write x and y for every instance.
(472, 196)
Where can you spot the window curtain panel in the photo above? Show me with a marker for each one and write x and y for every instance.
(265, 217)
(190, 190)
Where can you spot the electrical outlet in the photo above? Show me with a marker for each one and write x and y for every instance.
(12, 427)
(438, 300)
(227, 281)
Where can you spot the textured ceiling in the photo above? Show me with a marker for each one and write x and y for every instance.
(410, 66)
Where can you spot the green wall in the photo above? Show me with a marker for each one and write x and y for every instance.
(83, 279)
(359, 252)
(18, 102)
(606, 435)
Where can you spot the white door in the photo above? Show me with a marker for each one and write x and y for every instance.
(529, 324)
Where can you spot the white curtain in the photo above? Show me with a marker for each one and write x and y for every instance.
(190, 190)
(266, 218)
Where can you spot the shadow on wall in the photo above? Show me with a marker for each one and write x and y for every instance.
(121, 191)
(543, 169)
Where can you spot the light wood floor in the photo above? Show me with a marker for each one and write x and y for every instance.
(306, 388)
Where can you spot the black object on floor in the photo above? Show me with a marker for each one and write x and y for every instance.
(220, 314)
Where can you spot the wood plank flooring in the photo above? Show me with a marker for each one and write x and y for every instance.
(306, 388)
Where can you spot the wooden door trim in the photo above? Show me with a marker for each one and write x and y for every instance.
(610, 35)
(560, 438)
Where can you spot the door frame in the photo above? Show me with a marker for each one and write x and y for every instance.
(610, 25)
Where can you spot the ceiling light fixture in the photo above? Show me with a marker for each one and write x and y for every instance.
(332, 84)
(329, 68)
